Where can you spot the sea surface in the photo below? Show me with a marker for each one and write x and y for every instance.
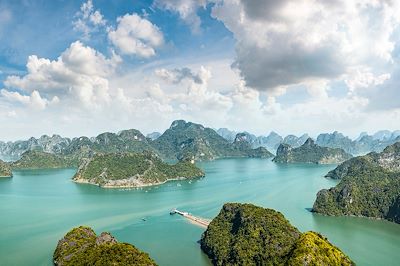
(38, 207)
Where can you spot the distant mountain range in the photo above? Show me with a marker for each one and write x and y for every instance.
(183, 140)
(189, 140)
(363, 144)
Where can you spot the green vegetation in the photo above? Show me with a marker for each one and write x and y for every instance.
(81, 246)
(369, 186)
(133, 170)
(244, 234)
(5, 169)
(314, 249)
(40, 160)
(309, 152)
(185, 140)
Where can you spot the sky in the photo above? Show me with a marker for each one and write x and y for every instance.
(78, 68)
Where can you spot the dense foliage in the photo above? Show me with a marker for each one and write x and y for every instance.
(38, 160)
(5, 169)
(309, 152)
(144, 166)
(81, 246)
(314, 249)
(369, 186)
(244, 234)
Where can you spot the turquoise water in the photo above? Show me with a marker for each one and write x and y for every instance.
(39, 207)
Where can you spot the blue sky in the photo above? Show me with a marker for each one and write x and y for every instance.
(45, 28)
(84, 67)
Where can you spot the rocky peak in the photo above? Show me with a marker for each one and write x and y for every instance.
(309, 142)
(105, 237)
(131, 134)
(178, 124)
(241, 137)
(283, 149)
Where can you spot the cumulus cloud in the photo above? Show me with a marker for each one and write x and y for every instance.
(289, 42)
(88, 19)
(135, 35)
(34, 100)
(80, 72)
(186, 9)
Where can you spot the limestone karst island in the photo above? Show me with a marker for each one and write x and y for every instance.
(200, 132)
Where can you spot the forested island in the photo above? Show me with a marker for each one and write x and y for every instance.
(81, 246)
(310, 152)
(245, 234)
(122, 170)
(369, 186)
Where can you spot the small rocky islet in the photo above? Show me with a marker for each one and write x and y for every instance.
(81, 246)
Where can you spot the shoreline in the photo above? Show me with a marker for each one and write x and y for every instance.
(139, 185)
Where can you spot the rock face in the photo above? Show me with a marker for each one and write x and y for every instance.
(132, 170)
(5, 169)
(244, 234)
(369, 186)
(81, 246)
(309, 152)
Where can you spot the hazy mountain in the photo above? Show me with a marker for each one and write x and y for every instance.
(227, 134)
(208, 144)
(189, 140)
(310, 152)
(295, 141)
(153, 135)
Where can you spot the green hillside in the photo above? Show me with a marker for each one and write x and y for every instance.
(244, 234)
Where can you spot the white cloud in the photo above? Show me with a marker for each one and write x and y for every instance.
(187, 10)
(364, 78)
(289, 42)
(179, 74)
(80, 72)
(88, 19)
(34, 100)
(136, 36)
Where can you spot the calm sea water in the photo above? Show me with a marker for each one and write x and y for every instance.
(38, 207)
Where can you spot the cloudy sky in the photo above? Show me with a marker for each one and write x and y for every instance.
(293, 66)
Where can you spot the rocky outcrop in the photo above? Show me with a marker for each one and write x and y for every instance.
(81, 246)
(309, 152)
(369, 186)
(244, 234)
(5, 169)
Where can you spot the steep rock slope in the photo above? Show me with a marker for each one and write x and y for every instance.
(369, 186)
